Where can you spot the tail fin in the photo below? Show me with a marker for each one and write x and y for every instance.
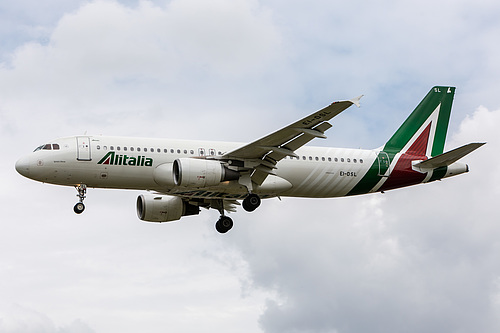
(424, 131)
(422, 135)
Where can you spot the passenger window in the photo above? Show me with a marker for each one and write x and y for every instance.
(138, 148)
(348, 160)
(342, 159)
(355, 160)
(165, 151)
(131, 148)
(329, 159)
(191, 152)
(118, 148)
(178, 151)
(304, 158)
(98, 147)
(105, 147)
(360, 160)
(310, 158)
(152, 150)
(111, 148)
(323, 159)
(185, 151)
(158, 150)
(124, 148)
(317, 158)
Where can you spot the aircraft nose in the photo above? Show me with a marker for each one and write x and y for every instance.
(23, 166)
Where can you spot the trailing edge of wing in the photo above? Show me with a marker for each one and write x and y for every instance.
(449, 157)
(310, 126)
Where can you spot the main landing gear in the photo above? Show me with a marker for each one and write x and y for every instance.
(82, 190)
(225, 223)
(251, 202)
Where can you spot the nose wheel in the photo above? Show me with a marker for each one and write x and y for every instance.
(79, 208)
(82, 190)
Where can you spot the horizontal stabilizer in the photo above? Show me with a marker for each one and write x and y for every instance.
(449, 157)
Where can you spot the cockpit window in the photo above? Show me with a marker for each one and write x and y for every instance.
(48, 146)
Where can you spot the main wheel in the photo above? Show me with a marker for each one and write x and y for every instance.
(251, 202)
(79, 208)
(224, 224)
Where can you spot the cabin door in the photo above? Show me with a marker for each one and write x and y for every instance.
(384, 164)
(83, 148)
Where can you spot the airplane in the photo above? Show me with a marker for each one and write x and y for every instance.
(182, 176)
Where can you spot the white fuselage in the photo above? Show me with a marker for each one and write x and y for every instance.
(133, 164)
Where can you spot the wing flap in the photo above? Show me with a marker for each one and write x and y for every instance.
(305, 126)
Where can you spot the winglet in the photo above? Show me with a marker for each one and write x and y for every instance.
(355, 100)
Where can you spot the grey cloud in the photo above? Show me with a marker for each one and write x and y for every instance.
(420, 259)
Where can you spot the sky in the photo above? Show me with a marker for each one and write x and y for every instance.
(420, 259)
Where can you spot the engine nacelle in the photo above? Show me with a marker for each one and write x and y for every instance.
(192, 172)
(163, 208)
(163, 175)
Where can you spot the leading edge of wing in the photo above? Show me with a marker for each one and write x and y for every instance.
(306, 125)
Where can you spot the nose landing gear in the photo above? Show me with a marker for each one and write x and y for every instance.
(82, 190)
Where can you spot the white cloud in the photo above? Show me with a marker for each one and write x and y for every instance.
(421, 259)
(15, 318)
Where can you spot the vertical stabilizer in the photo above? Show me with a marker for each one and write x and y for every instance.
(422, 135)
(427, 125)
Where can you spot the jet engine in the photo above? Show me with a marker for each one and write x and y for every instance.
(163, 208)
(191, 172)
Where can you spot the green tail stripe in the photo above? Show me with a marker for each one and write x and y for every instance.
(437, 96)
(438, 173)
(366, 183)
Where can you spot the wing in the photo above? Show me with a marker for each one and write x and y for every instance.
(261, 156)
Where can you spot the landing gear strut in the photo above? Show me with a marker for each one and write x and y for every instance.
(251, 202)
(82, 190)
(225, 223)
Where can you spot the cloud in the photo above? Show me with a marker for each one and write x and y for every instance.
(15, 318)
(419, 259)
(177, 57)
(414, 260)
